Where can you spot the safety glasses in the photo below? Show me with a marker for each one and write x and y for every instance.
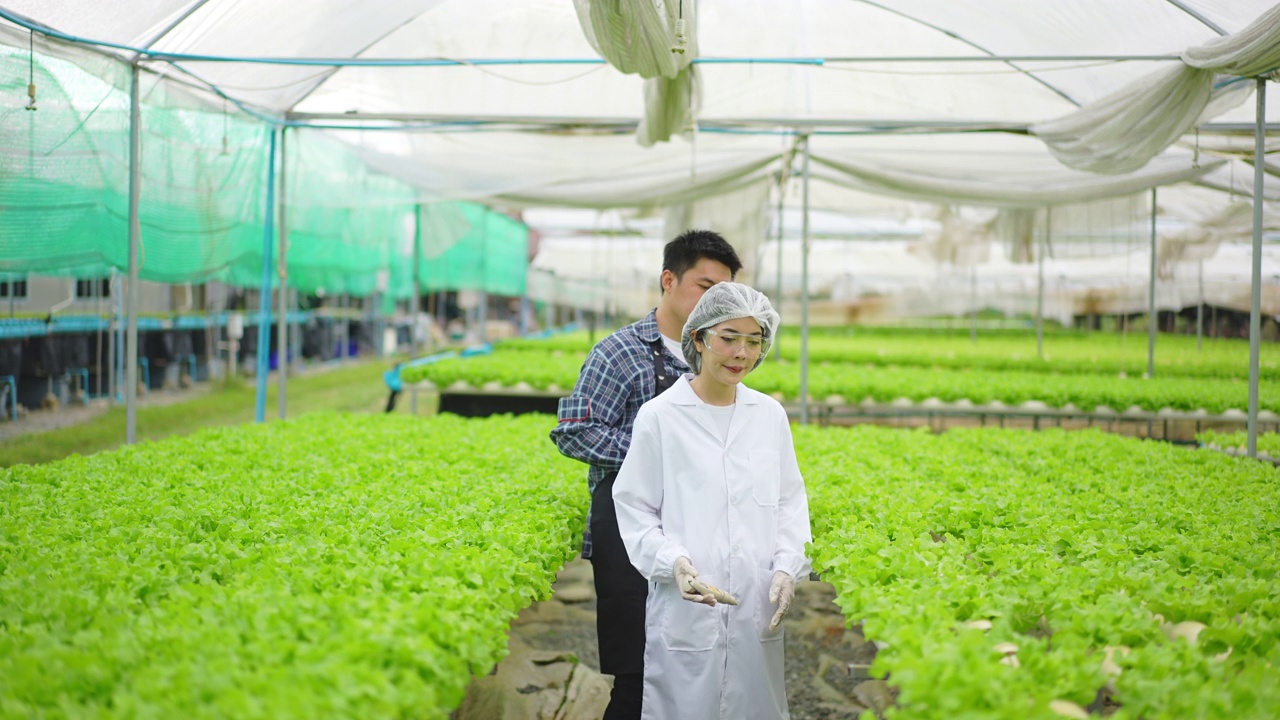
(728, 343)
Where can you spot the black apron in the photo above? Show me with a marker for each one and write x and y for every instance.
(621, 591)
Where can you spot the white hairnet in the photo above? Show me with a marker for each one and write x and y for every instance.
(728, 301)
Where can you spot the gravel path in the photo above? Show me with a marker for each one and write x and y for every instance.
(74, 413)
(820, 649)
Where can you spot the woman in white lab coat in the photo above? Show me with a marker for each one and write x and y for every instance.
(713, 513)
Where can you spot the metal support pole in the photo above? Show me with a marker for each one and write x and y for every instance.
(135, 234)
(117, 335)
(295, 333)
(282, 292)
(1044, 246)
(373, 319)
(973, 304)
(482, 309)
(1200, 312)
(1255, 295)
(343, 303)
(804, 292)
(782, 195)
(415, 307)
(264, 290)
(1152, 318)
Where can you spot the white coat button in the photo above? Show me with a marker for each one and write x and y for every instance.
(735, 548)
(733, 498)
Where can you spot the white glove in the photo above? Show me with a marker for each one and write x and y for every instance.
(685, 578)
(781, 591)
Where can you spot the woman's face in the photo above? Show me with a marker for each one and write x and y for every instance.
(730, 350)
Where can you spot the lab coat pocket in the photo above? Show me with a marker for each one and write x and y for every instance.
(687, 626)
(765, 609)
(766, 476)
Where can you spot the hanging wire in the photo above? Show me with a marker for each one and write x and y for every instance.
(225, 150)
(681, 42)
(31, 70)
(509, 78)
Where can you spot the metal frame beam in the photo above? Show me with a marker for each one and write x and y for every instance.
(135, 237)
(1255, 295)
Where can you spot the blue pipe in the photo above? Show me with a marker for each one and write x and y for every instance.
(264, 292)
(362, 62)
(146, 373)
(450, 62)
(191, 369)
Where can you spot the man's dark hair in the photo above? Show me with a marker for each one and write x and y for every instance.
(693, 245)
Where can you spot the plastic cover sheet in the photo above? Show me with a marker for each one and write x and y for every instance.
(742, 217)
(982, 170)
(588, 171)
(585, 166)
(1122, 131)
(655, 40)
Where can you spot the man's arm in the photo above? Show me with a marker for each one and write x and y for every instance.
(588, 418)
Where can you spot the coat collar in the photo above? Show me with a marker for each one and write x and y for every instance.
(683, 396)
(682, 393)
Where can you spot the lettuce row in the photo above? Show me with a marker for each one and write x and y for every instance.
(330, 566)
(1098, 354)
(1268, 443)
(1067, 544)
(885, 384)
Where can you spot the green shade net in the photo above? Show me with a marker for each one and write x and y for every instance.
(492, 256)
(64, 192)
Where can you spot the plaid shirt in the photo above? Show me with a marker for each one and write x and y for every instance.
(595, 420)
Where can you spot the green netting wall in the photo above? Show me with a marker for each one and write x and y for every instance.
(64, 192)
(492, 256)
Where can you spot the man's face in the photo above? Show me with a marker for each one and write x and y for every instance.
(684, 292)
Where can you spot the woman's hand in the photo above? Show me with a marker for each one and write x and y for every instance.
(686, 576)
(694, 590)
(781, 591)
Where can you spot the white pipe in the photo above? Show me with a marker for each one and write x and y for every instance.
(117, 334)
(782, 196)
(1200, 311)
(804, 292)
(70, 299)
(1255, 295)
(135, 233)
(1152, 317)
(973, 303)
(282, 290)
(416, 306)
(1044, 247)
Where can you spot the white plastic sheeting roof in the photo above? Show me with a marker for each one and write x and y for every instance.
(517, 108)
(586, 161)
(473, 29)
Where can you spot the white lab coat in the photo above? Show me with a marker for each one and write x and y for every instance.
(738, 510)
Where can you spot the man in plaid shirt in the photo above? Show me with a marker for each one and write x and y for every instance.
(624, 371)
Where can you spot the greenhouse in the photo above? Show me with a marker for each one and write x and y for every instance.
(296, 293)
